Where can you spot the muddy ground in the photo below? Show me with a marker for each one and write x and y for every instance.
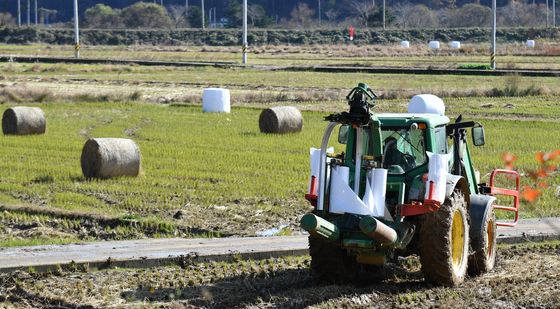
(528, 276)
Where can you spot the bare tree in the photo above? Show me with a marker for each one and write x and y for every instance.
(469, 15)
(517, 14)
(255, 12)
(178, 14)
(302, 14)
(363, 10)
(331, 15)
(45, 15)
(415, 16)
(6, 19)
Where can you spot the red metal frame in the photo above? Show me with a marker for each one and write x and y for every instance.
(419, 208)
(312, 195)
(506, 192)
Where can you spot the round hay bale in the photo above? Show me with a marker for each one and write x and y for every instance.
(281, 119)
(110, 157)
(23, 120)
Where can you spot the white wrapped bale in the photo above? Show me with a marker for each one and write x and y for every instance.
(216, 100)
(531, 43)
(426, 104)
(405, 44)
(281, 119)
(434, 44)
(455, 44)
(110, 157)
(23, 120)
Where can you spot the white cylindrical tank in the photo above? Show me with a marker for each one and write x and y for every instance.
(434, 44)
(530, 43)
(216, 100)
(455, 44)
(426, 104)
(405, 44)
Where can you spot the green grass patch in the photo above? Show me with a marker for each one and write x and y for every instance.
(204, 162)
(474, 66)
(36, 241)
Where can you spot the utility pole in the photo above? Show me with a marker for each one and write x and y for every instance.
(383, 14)
(202, 4)
(493, 54)
(319, 5)
(28, 13)
(547, 11)
(19, 13)
(244, 47)
(553, 13)
(36, 19)
(76, 31)
(186, 13)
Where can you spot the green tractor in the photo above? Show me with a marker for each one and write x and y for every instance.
(402, 184)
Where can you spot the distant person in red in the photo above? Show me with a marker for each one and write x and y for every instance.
(351, 32)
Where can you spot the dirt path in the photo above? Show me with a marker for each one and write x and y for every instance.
(527, 276)
(155, 252)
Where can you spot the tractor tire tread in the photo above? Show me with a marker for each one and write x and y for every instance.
(435, 243)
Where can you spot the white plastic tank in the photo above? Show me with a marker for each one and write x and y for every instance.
(426, 104)
(434, 44)
(405, 44)
(531, 43)
(216, 100)
(455, 44)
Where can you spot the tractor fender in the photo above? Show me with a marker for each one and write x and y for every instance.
(453, 181)
(457, 182)
(481, 206)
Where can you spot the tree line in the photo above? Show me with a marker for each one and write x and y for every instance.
(359, 13)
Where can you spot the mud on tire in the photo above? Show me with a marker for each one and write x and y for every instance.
(444, 242)
(483, 258)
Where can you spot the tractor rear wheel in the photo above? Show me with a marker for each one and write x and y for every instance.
(331, 263)
(484, 246)
(444, 242)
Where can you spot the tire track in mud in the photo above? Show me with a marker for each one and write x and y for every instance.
(526, 276)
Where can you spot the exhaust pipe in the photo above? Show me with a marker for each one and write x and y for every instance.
(378, 230)
(318, 226)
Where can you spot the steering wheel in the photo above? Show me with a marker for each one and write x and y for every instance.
(409, 161)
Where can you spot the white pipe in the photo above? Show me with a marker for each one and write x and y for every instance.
(323, 165)
(357, 170)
